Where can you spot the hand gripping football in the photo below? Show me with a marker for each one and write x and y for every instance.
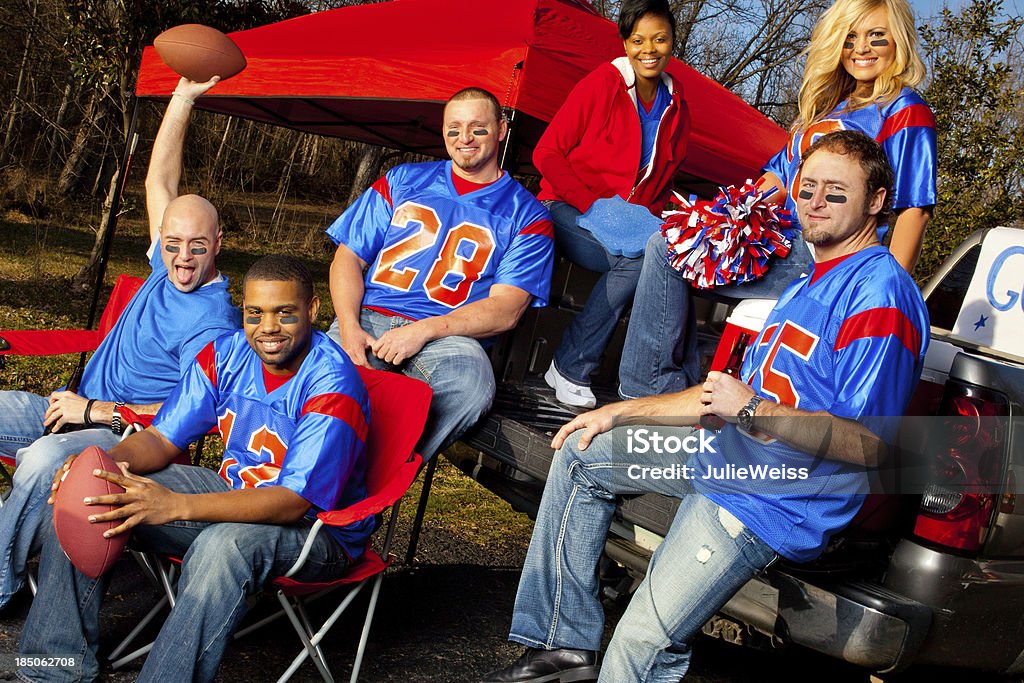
(82, 540)
(199, 52)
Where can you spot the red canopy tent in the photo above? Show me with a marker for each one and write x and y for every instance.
(380, 73)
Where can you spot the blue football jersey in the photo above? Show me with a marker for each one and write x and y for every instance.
(307, 435)
(851, 344)
(157, 336)
(904, 127)
(431, 250)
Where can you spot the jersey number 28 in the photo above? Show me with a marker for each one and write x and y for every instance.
(449, 261)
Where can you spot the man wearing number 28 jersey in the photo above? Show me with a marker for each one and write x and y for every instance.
(436, 258)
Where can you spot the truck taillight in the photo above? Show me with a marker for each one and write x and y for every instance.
(966, 449)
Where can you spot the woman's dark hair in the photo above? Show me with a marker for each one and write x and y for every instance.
(633, 10)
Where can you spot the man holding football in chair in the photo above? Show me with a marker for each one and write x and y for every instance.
(293, 413)
(436, 258)
(181, 307)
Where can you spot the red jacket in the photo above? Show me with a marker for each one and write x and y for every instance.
(591, 149)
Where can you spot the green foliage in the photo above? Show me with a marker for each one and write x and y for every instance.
(976, 93)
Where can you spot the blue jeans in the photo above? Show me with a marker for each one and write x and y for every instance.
(660, 352)
(222, 565)
(457, 370)
(706, 557)
(587, 336)
(38, 457)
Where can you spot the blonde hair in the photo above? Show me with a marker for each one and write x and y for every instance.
(826, 83)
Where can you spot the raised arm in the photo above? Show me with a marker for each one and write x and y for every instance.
(164, 173)
(770, 180)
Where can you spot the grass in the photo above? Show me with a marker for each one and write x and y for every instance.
(39, 257)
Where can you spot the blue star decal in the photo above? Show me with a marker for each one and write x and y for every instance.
(981, 323)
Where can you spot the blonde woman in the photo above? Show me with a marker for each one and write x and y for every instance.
(862, 66)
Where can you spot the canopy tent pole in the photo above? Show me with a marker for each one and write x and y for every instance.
(510, 153)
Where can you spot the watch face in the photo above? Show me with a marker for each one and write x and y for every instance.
(745, 418)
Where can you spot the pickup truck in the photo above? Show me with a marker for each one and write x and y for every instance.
(930, 576)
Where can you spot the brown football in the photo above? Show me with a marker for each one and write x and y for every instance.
(82, 540)
(199, 52)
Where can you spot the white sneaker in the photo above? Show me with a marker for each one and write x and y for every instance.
(568, 392)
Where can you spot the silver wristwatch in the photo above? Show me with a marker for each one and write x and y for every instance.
(745, 418)
(115, 418)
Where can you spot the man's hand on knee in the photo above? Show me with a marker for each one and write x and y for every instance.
(66, 408)
(593, 423)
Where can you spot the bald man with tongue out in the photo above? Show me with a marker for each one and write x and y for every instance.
(182, 306)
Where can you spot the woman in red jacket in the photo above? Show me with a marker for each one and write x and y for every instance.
(621, 132)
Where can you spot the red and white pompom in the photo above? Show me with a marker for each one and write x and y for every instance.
(728, 239)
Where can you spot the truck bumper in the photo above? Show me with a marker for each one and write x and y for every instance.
(976, 605)
(861, 623)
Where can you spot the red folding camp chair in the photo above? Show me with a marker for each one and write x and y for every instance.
(398, 412)
(56, 342)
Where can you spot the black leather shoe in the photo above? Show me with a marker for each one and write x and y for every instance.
(542, 666)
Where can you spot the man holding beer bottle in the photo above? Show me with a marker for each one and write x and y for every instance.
(816, 400)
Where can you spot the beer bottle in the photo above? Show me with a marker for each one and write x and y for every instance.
(732, 367)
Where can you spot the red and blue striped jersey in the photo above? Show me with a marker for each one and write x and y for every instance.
(851, 344)
(307, 435)
(431, 250)
(904, 127)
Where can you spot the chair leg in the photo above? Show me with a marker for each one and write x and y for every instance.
(365, 636)
(310, 650)
(324, 629)
(164, 574)
(198, 456)
(117, 663)
(301, 611)
(421, 509)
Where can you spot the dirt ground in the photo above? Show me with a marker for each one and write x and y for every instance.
(443, 620)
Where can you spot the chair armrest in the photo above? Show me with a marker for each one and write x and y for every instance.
(306, 547)
(391, 491)
(48, 342)
(137, 420)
